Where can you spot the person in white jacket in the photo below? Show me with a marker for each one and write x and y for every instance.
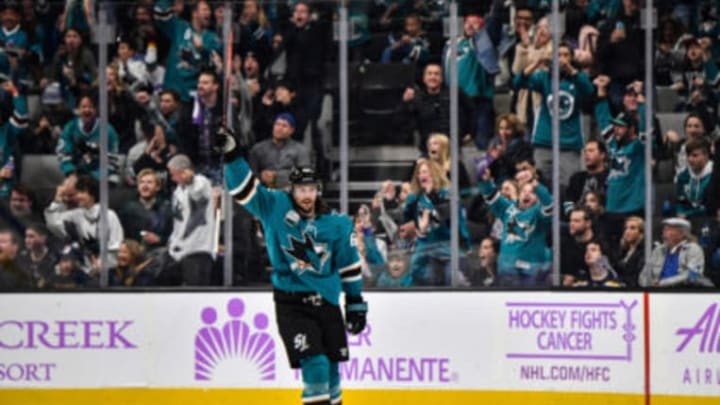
(81, 225)
(677, 261)
(190, 246)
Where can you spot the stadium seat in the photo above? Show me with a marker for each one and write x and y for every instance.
(672, 121)
(665, 172)
(502, 103)
(437, 43)
(666, 99)
(374, 48)
(381, 88)
(41, 171)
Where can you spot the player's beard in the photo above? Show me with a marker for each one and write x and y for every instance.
(307, 208)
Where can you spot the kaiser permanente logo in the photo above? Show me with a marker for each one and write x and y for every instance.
(391, 367)
(236, 349)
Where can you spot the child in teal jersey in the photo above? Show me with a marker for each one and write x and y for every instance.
(397, 271)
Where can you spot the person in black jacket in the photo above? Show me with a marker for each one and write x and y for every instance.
(593, 178)
(427, 109)
(507, 148)
(712, 193)
(306, 43)
(149, 218)
(12, 277)
(207, 116)
(621, 50)
(282, 99)
(632, 251)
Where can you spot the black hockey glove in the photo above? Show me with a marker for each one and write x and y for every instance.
(355, 314)
(441, 206)
(227, 144)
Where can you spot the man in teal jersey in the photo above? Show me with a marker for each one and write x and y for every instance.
(78, 148)
(314, 256)
(626, 180)
(575, 90)
(14, 41)
(524, 258)
(477, 65)
(13, 122)
(191, 46)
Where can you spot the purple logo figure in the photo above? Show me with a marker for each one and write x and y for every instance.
(706, 330)
(235, 341)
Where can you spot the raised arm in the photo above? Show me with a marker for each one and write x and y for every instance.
(240, 180)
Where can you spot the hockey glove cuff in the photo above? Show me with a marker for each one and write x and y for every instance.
(227, 144)
(355, 314)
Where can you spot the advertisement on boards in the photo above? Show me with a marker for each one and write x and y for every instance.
(685, 344)
(454, 341)
(575, 342)
(64, 340)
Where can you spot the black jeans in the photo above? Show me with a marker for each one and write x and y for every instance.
(192, 270)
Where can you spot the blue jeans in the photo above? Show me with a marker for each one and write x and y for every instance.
(536, 276)
(485, 116)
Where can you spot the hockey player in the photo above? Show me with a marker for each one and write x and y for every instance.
(314, 256)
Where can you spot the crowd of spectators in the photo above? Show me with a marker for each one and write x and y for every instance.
(506, 213)
(168, 88)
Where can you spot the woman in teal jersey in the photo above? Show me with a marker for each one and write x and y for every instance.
(428, 206)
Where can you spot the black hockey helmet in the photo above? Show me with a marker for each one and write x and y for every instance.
(303, 175)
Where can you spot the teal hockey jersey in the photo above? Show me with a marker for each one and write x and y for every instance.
(626, 180)
(690, 190)
(75, 150)
(574, 91)
(307, 254)
(184, 60)
(472, 78)
(12, 39)
(9, 132)
(524, 232)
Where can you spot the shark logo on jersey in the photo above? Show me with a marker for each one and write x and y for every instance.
(518, 231)
(567, 104)
(307, 255)
(619, 167)
(692, 194)
(591, 185)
